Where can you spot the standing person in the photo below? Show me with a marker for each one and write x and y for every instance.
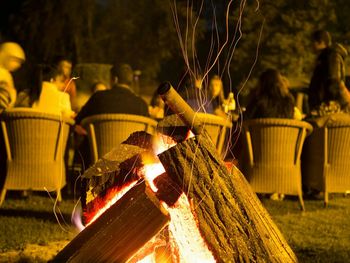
(11, 58)
(327, 90)
(64, 68)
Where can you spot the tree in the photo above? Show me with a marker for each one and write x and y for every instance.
(141, 33)
(285, 40)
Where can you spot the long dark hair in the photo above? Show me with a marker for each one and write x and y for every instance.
(271, 98)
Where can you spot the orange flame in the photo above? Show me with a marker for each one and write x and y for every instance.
(162, 143)
(184, 231)
(151, 172)
(187, 244)
(113, 197)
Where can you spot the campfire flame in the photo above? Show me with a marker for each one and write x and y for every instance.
(151, 172)
(162, 143)
(185, 240)
(185, 233)
(113, 196)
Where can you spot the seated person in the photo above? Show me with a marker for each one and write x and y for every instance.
(98, 86)
(11, 58)
(64, 66)
(271, 98)
(216, 97)
(52, 100)
(48, 97)
(203, 96)
(119, 99)
(156, 107)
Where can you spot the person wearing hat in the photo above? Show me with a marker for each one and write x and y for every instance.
(11, 58)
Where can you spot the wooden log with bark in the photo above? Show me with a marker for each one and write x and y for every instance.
(120, 231)
(114, 171)
(230, 217)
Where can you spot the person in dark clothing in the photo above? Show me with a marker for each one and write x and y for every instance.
(119, 99)
(271, 98)
(327, 90)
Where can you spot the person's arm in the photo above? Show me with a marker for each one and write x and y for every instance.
(4, 95)
(87, 109)
(297, 114)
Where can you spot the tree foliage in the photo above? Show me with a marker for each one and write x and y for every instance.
(286, 27)
(148, 34)
(141, 33)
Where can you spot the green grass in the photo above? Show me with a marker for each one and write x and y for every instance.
(32, 221)
(316, 235)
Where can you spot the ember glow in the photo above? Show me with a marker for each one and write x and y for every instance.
(113, 196)
(152, 171)
(148, 259)
(184, 230)
(162, 143)
(185, 241)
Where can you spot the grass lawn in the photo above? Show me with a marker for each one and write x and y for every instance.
(317, 235)
(25, 223)
(29, 231)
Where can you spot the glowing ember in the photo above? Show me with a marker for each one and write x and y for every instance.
(185, 240)
(113, 197)
(152, 171)
(189, 134)
(162, 143)
(148, 259)
(184, 230)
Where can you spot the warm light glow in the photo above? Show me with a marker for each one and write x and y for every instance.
(152, 171)
(190, 134)
(185, 240)
(113, 197)
(185, 232)
(148, 259)
(76, 219)
(162, 143)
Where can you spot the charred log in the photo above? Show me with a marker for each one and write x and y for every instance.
(117, 169)
(119, 232)
(168, 191)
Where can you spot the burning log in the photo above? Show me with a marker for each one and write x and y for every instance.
(230, 217)
(114, 171)
(223, 215)
(120, 231)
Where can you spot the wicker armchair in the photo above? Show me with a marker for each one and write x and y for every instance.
(326, 157)
(34, 143)
(108, 130)
(272, 163)
(216, 127)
